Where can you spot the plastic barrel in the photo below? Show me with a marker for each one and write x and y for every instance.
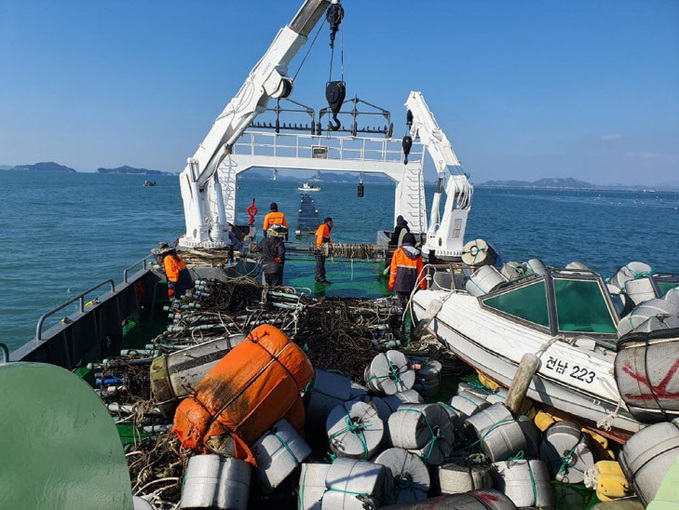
(484, 280)
(498, 432)
(648, 455)
(458, 479)
(525, 482)
(353, 483)
(175, 375)
(411, 476)
(354, 430)
(278, 453)
(565, 450)
(216, 482)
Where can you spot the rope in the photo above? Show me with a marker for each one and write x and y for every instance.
(520, 456)
(285, 445)
(435, 435)
(394, 373)
(567, 459)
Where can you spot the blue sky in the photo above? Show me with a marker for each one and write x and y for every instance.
(587, 89)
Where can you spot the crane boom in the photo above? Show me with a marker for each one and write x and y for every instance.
(446, 234)
(204, 210)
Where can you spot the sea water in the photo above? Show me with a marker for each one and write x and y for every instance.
(65, 233)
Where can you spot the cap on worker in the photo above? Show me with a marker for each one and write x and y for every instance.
(273, 206)
(161, 248)
(409, 239)
(399, 219)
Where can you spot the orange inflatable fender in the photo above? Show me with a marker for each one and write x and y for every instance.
(252, 387)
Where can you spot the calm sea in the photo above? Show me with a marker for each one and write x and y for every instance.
(63, 234)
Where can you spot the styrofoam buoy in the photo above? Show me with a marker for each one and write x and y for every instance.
(424, 429)
(577, 265)
(499, 395)
(478, 252)
(467, 403)
(311, 486)
(354, 430)
(403, 397)
(565, 450)
(325, 391)
(630, 271)
(640, 290)
(536, 266)
(642, 365)
(475, 500)
(648, 455)
(525, 482)
(643, 312)
(351, 484)
(656, 323)
(278, 453)
(457, 479)
(513, 270)
(390, 372)
(672, 296)
(411, 476)
(477, 389)
(498, 432)
(484, 280)
(216, 482)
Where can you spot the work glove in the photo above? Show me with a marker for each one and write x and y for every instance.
(170, 293)
(277, 260)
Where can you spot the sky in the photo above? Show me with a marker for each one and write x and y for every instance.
(524, 89)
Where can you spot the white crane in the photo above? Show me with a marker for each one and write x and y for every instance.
(206, 224)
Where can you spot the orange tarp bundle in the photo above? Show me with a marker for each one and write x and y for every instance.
(252, 387)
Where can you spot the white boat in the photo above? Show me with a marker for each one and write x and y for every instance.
(565, 317)
(308, 187)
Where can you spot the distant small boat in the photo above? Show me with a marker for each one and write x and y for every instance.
(149, 183)
(307, 187)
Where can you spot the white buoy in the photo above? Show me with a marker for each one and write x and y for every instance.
(354, 430)
(425, 429)
(564, 448)
(467, 403)
(513, 270)
(498, 432)
(484, 280)
(640, 290)
(311, 486)
(216, 482)
(278, 453)
(525, 482)
(389, 373)
(478, 252)
(325, 391)
(351, 484)
(411, 476)
(403, 397)
(630, 271)
(643, 312)
(536, 266)
(457, 479)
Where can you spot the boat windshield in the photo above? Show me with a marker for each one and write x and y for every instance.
(579, 305)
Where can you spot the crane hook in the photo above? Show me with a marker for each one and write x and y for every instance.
(335, 92)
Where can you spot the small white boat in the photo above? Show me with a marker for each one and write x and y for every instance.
(565, 317)
(308, 187)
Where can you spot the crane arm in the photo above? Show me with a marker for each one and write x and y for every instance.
(445, 235)
(268, 79)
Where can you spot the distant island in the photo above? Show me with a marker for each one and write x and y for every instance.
(46, 166)
(566, 183)
(132, 171)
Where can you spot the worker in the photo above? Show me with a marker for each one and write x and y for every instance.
(405, 272)
(400, 230)
(178, 276)
(274, 217)
(323, 240)
(273, 254)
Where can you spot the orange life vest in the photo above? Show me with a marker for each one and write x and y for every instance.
(323, 234)
(275, 218)
(404, 270)
(173, 264)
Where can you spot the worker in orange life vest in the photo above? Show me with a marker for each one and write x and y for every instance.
(178, 277)
(406, 268)
(274, 217)
(322, 238)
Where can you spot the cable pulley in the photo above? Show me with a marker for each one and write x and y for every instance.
(334, 17)
(335, 92)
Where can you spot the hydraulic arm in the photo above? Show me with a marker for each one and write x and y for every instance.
(446, 233)
(206, 221)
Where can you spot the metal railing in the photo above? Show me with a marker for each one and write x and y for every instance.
(144, 264)
(81, 297)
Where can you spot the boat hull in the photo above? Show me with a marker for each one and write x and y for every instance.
(569, 378)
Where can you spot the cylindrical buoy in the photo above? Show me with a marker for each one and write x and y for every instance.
(354, 430)
(565, 450)
(484, 280)
(498, 432)
(522, 378)
(312, 486)
(458, 479)
(216, 482)
(478, 253)
(525, 482)
(411, 476)
(390, 373)
(348, 479)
